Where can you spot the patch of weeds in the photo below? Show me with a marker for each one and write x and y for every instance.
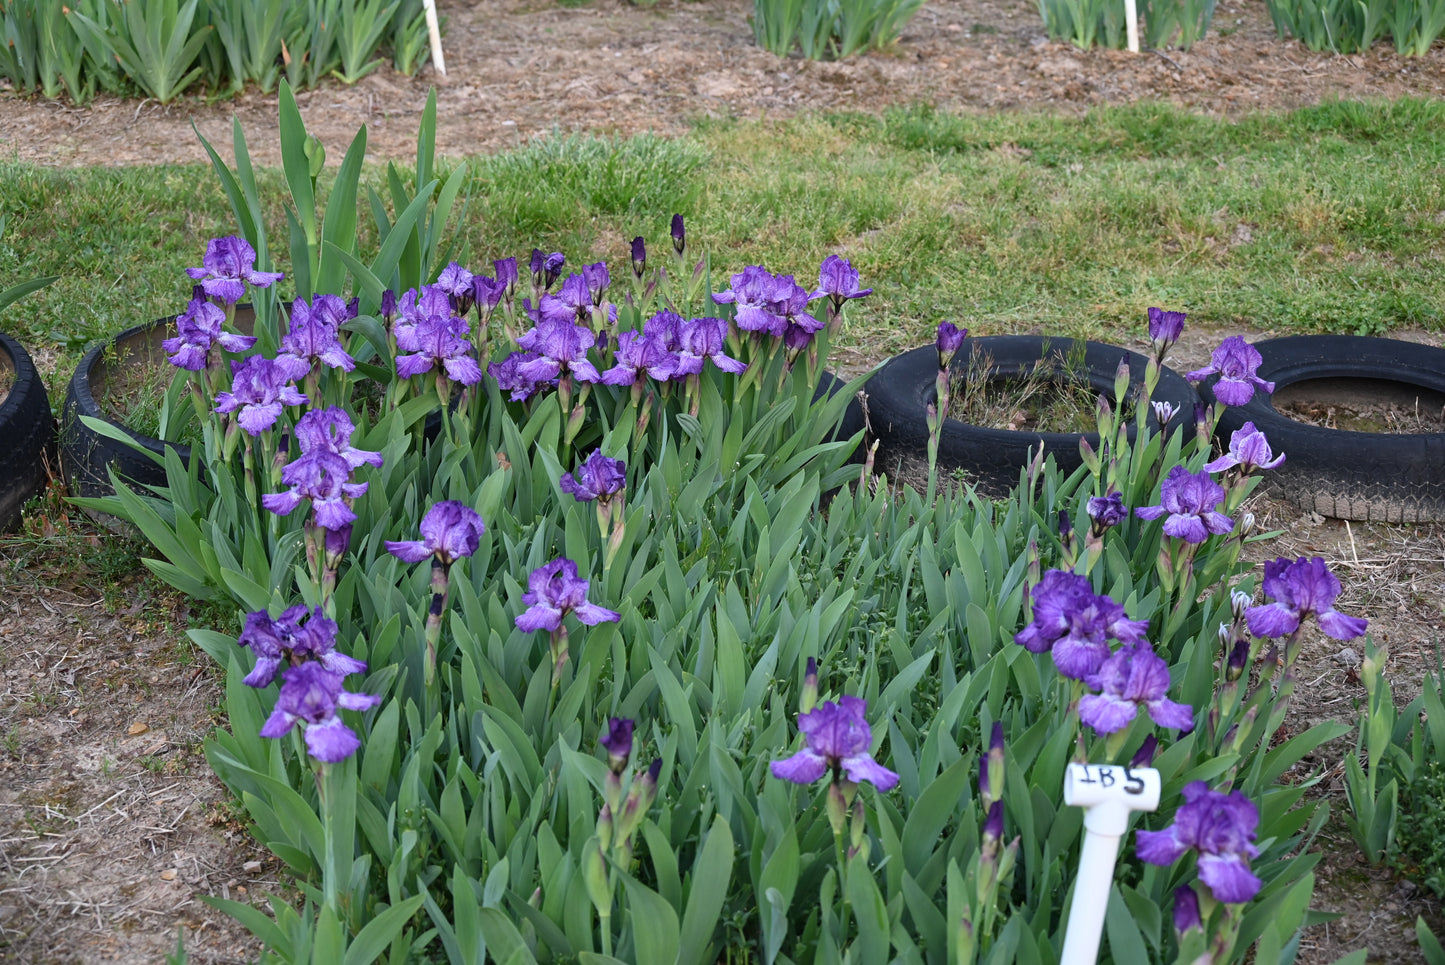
(1053, 396)
(1419, 852)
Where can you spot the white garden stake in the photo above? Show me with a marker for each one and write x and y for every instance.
(434, 33)
(1131, 24)
(1108, 793)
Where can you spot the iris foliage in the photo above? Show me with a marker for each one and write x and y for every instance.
(163, 47)
(740, 571)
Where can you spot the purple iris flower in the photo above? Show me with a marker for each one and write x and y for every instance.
(561, 346)
(1075, 624)
(196, 330)
(679, 235)
(1222, 829)
(699, 340)
(227, 266)
(456, 281)
(618, 743)
(1236, 362)
(1106, 511)
(1190, 500)
(450, 530)
(599, 477)
(791, 305)
(510, 379)
(324, 477)
(838, 740)
(314, 335)
(596, 278)
(753, 293)
(330, 429)
(487, 294)
(436, 343)
(312, 695)
(259, 389)
(506, 276)
(949, 341)
(553, 591)
(1165, 328)
(414, 309)
(838, 279)
(273, 641)
(575, 294)
(638, 356)
(666, 328)
(639, 257)
(1300, 587)
(1248, 449)
(1128, 679)
(546, 268)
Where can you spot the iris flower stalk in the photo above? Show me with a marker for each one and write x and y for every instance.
(450, 531)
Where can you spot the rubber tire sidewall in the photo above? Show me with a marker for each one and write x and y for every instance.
(900, 392)
(1366, 476)
(27, 435)
(87, 456)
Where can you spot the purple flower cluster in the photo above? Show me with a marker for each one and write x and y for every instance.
(259, 388)
(670, 348)
(772, 305)
(314, 335)
(433, 337)
(1076, 625)
(311, 681)
(322, 473)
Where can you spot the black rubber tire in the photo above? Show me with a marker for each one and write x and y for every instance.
(85, 455)
(1368, 476)
(27, 432)
(899, 394)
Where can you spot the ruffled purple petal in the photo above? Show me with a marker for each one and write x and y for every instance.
(862, 767)
(539, 616)
(804, 767)
(1228, 877)
(1191, 529)
(1233, 392)
(1079, 658)
(1158, 847)
(1167, 713)
(1271, 620)
(1105, 713)
(281, 503)
(278, 724)
(264, 672)
(332, 513)
(1341, 627)
(331, 741)
(592, 614)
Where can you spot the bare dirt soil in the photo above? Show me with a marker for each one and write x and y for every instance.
(111, 826)
(516, 68)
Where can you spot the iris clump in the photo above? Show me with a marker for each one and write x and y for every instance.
(1075, 625)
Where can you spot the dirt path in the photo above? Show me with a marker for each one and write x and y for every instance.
(518, 68)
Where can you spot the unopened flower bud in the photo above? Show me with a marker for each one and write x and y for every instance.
(1246, 525)
(808, 699)
(1144, 756)
(1186, 910)
(1238, 601)
(639, 257)
(1238, 659)
(1164, 412)
(679, 235)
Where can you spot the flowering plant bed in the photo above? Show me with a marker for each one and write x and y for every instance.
(529, 687)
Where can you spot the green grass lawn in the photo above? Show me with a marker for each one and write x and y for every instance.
(1329, 218)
